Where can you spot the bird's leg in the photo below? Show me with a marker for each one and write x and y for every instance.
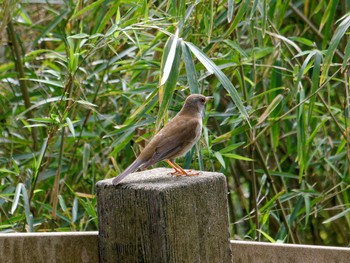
(178, 170)
(188, 173)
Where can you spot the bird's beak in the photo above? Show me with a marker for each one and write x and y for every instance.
(208, 98)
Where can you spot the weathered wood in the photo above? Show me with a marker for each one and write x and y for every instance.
(67, 247)
(155, 217)
(60, 247)
(262, 252)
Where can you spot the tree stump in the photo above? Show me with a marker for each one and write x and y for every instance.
(152, 216)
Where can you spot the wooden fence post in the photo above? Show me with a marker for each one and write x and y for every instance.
(155, 217)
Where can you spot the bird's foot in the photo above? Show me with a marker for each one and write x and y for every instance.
(185, 173)
(192, 173)
(178, 173)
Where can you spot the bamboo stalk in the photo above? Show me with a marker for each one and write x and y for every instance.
(21, 78)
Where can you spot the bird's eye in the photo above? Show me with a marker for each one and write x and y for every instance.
(203, 100)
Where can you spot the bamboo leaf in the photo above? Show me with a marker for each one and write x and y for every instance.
(75, 210)
(170, 58)
(315, 79)
(339, 33)
(220, 159)
(267, 236)
(230, 8)
(276, 101)
(346, 55)
(16, 198)
(29, 215)
(70, 126)
(237, 157)
(86, 157)
(212, 68)
(243, 8)
(190, 70)
(85, 9)
(79, 36)
(62, 203)
(166, 91)
(337, 216)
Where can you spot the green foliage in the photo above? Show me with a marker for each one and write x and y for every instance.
(85, 84)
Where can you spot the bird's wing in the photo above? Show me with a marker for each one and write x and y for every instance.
(173, 140)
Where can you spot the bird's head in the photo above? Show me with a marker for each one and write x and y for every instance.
(194, 104)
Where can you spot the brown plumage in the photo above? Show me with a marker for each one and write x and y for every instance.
(176, 138)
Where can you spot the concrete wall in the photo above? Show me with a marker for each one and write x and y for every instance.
(82, 247)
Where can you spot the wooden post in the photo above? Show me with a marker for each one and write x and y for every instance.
(153, 216)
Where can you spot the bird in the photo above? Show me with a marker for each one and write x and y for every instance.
(175, 139)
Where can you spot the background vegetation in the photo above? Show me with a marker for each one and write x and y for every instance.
(85, 84)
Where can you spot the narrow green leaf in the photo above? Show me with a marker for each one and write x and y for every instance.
(86, 157)
(267, 236)
(276, 101)
(79, 36)
(166, 92)
(190, 69)
(39, 162)
(29, 215)
(231, 147)
(236, 156)
(238, 17)
(70, 126)
(107, 17)
(148, 105)
(307, 208)
(62, 203)
(236, 47)
(270, 203)
(4, 170)
(296, 210)
(264, 17)
(302, 40)
(85, 9)
(52, 25)
(339, 33)
(329, 16)
(346, 55)
(49, 82)
(230, 8)
(16, 198)
(315, 79)
(316, 130)
(75, 210)
(281, 174)
(255, 5)
(337, 216)
(121, 142)
(84, 102)
(170, 58)
(301, 135)
(303, 68)
(220, 159)
(212, 68)
(111, 30)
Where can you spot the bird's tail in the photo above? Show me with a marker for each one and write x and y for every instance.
(132, 168)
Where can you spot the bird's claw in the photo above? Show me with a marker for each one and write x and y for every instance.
(192, 173)
(188, 173)
(178, 173)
